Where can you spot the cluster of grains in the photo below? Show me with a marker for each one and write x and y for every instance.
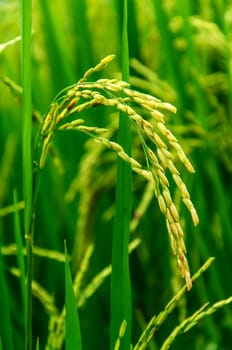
(161, 156)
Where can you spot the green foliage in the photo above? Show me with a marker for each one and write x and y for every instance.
(19, 254)
(121, 302)
(72, 326)
(6, 326)
(26, 24)
(181, 54)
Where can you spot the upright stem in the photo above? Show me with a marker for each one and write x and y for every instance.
(26, 20)
(120, 280)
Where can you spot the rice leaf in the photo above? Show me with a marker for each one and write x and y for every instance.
(20, 254)
(72, 325)
(5, 321)
(26, 22)
(120, 281)
(37, 345)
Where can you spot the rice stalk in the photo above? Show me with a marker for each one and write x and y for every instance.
(11, 249)
(4, 46)
(11, 208)
(26, 22)
(56, 332)
(158, 320)
(193, 320)
(41, 294)
(160, 159)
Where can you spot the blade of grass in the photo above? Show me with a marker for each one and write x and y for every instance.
(19, 254)
(5, 321)
(37, 344)
(26, 21)
(120, 280)
(72, 325)
(26, 109)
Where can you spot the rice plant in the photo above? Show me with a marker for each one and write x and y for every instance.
(115, 174)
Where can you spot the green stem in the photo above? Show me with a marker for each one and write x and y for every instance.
(26, 20)
(20, 255)
(120, 280)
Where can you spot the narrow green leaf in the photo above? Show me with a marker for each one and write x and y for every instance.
(20, 254)
(26, 108)
(120, 280)
(26, 22)
(72, 325)
(37, 344)
(5, 321)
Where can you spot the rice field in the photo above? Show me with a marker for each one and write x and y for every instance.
(115, 174)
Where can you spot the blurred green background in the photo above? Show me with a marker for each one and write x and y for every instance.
(181, 52)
